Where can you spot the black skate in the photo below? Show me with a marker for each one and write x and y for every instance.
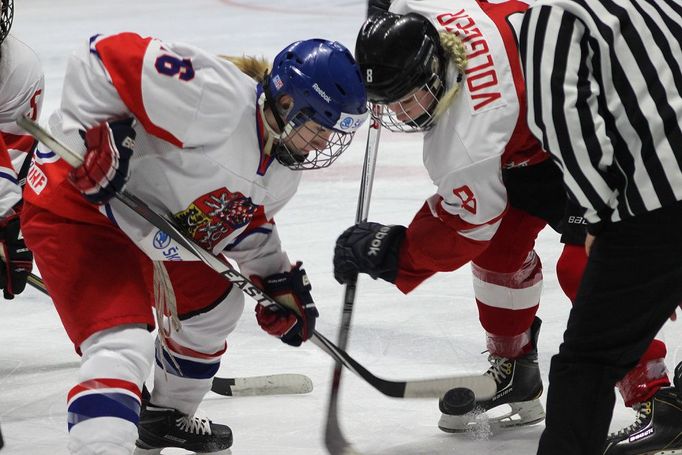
(160, 428)
(519, 386)
(657, 429)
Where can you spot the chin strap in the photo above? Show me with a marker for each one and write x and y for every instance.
(266, 100)
(271, 133)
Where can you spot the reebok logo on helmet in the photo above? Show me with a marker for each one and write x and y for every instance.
(321, 92)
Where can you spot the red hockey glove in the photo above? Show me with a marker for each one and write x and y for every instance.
(370, 248)
(295, 323)
(104, 171)
(17, 260)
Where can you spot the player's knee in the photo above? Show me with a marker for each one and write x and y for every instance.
(207, 331)
(124, 352)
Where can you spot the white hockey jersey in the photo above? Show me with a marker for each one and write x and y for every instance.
(482, 131)
(21, 90)
(198, 153)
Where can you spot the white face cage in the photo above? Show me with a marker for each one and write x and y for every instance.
(414, 112)
(310, 145)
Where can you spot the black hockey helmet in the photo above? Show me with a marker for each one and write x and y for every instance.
(398, 54)
(6, 17)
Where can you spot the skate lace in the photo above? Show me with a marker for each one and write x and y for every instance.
(194, 425)
(501, 367)
(643, 413)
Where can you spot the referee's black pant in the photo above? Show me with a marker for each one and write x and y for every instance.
(632, 284)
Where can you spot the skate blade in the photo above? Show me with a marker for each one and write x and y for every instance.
(519, 414)
(141, 451)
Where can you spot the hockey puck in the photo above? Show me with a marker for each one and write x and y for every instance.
(457, 401)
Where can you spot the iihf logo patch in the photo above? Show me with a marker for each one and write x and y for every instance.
(278, 82)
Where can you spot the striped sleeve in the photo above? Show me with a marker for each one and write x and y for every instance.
(563, 108)
(604, 80)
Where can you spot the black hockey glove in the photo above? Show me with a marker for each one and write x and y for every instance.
(17, 260)
(295, 323)
(370, 248)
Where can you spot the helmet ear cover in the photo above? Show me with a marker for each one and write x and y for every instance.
(397, 54)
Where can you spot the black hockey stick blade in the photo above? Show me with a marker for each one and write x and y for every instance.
(483, 386)
(274, 384)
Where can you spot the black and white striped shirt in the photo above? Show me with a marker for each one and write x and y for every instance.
(604, 85)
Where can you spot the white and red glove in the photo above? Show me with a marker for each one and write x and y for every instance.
(295, 323)
(104, 171)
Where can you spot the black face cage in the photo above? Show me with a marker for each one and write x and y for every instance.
(319, 152)
(6, 18)
(397, 119)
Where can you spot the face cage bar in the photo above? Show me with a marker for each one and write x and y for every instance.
(420, 123)
(316, 158)
(6, 17)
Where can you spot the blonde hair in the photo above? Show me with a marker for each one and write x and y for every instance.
(455, 53)
(254, 67)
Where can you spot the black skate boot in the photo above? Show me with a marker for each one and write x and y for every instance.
(518, 385)
(165, 427)
(657, 429)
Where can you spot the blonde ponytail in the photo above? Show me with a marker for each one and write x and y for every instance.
(254, 67)
(455, 53)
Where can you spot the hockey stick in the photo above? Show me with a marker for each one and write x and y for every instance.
(428, 388)
(333, 437)
(273, 384)
(37, 283)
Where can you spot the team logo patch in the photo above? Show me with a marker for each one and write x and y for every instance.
(465, 195)
(215, 215)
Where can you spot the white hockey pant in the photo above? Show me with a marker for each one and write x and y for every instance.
(103, 409)
(184, 371)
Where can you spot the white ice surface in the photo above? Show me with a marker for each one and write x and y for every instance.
(434, 331)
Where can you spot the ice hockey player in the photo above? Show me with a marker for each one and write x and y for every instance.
(477, 26)
(451, 69)
(21, 89)
(214, 143)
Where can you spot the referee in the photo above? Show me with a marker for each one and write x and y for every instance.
(604, 81)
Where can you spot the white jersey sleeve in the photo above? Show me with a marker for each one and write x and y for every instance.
(175, 91)
(21, 89)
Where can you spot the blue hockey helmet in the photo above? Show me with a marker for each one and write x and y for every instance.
(325, 86)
